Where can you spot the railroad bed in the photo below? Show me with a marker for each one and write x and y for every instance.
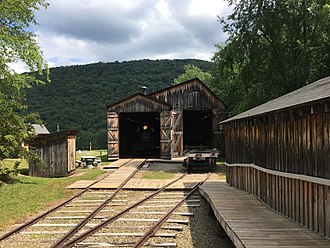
(111, 218)
(126, 167)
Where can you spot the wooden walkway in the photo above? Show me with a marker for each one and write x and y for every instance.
(125, 168)
(250, 223)
(188, 182)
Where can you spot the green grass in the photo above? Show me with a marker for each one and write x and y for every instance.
(158, 175)
(29, 195)
(10, 162)
(95, 153)
(221, 160)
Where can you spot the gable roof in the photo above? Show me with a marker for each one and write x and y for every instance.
(40, 129)
(310, 93)
(185, 83)
(154, 104)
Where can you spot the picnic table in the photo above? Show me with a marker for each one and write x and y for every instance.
(88, 161)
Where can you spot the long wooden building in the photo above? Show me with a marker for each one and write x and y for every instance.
(280, 151)
(165, 123)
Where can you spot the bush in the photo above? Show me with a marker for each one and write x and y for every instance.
(7, 175)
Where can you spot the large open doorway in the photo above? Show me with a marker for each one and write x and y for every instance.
(139, 135)
(197, 129)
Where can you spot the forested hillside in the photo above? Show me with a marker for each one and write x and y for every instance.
(77, 96)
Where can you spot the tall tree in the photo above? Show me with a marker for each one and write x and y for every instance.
(192, 71)
(17, 43)
(274, 47)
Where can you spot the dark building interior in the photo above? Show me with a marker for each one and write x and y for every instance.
(139, 134)
(197, 126)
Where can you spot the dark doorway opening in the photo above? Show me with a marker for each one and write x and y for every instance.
(139, 135)
(197, 129)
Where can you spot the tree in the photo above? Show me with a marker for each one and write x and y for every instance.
(192, 71)
(17, 43)
(274, 47)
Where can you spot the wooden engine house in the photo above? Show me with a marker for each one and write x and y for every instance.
(166, 123)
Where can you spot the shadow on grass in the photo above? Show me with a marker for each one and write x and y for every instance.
(24, 171)
(7, 180)
(18, 181)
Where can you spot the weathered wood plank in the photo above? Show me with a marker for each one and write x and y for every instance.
(263, 227)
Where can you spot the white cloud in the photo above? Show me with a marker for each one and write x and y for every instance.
(206, 7)
(19, 67)
(163, 8)
(85, 31)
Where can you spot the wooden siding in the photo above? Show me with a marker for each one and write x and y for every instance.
(138, 103)
(290, 153)
(57, 151)
(294, 141)
(192, 95)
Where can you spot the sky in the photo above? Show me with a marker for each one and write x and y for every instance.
(72, 32)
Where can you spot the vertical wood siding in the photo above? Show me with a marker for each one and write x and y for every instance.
(301, 200)
(295, 141)
(57, 151)
(190, 96)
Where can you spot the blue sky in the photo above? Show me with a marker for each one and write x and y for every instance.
(86, 31)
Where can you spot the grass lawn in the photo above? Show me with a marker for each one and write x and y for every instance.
(158, 175)
(95, 153)
(21, 200)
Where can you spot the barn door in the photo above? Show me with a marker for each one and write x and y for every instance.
(177, 133)
(165, 134)
(218, 134)
(113, 135)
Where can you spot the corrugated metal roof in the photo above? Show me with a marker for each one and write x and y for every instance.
(309, 93)
(40, 129)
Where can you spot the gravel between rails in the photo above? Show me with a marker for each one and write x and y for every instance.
(199, 233)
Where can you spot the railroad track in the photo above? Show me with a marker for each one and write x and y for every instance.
(113, 218)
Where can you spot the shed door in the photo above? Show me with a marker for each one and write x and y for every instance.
(177, 133)
(165, 134)
(113, 135)
(71, 153)
(218, 139)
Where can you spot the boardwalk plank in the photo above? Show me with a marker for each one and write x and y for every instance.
(250, 223)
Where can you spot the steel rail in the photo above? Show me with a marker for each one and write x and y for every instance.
(158, 225)
(60, 242)
(40, 217)
(90, 232)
